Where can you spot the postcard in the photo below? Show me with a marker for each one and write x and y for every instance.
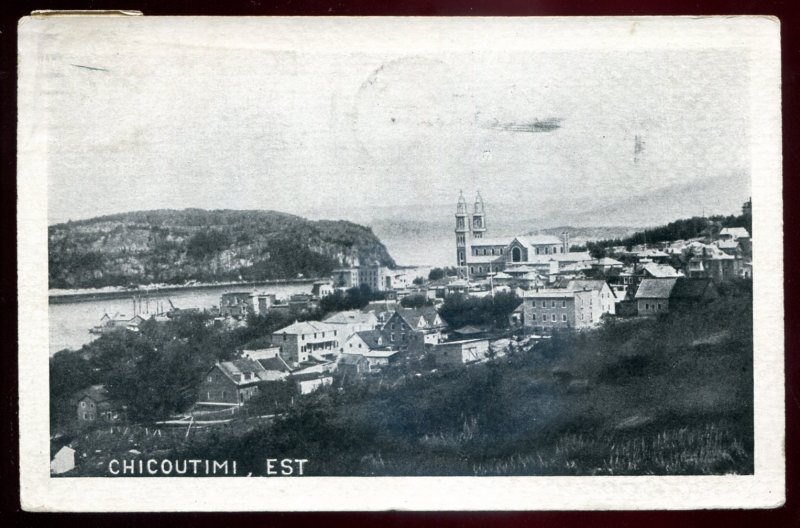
(336, 264)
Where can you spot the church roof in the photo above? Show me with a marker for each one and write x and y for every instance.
(496, 241)
(541, 240)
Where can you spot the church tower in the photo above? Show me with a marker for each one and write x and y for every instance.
(462, 231)
(478, 218)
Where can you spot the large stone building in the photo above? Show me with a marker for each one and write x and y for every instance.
(546, 310)
(376, 276)
(478, 256)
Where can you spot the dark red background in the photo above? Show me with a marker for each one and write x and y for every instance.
(12, 10)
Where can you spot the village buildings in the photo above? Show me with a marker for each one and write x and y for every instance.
(231, 382)
(94, 405)
(411, 329)
(547, 310)
(462, 352)
(116, 322)
(349, 322)
(298, 341)
(478, 256)
(241, 303)
(376, 276)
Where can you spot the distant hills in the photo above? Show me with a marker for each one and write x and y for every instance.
(176, 246)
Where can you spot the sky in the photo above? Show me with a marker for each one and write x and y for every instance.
(148, 117)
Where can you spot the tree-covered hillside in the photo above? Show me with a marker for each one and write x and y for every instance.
(695, 227)
(170, 246)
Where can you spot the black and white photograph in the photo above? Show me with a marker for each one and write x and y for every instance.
(468, 254)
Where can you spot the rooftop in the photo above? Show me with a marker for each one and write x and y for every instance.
(304, 327)
(655, 288)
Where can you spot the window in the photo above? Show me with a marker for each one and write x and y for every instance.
(315, 335)
(85, 416)
(554, 318)
(223, 395)
(533, 317)
(83, 404)
(564, 317)
(391, 337)
(516, 254)
(552, 304)
(659, 306)
(646, 306)
(210, 378)
(564, 303)
(208, 395)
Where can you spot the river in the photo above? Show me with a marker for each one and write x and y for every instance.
(70, 321)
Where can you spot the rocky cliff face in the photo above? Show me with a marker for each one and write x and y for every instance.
(168, 246)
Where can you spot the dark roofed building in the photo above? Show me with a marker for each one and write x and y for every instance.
(232, 382)
(353, 365)
(652, 296)
(687, 292)
(94, 404)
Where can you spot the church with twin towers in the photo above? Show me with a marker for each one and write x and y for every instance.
(478, 256)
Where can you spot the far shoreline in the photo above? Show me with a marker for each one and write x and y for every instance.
(85, 295)
(66, 296)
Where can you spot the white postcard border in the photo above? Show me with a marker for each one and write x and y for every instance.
(764, 489)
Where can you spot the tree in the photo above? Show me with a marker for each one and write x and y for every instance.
(436, 274)
(417, 300)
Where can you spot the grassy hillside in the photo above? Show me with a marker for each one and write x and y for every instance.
(169, 246)
(659, 396)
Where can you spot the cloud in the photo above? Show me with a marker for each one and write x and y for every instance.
(545, 125)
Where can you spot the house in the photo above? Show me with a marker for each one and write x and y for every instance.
(231, 382)
(117, 322)
(602, 295)
(733, 233)
(308, 383)
(653, 270)
(275, 368)
(322, 288)
(352, 321)
(239, 304)
(366, 340)
(652, 296)
(372, 345)
(410, 329)
(549, 309)
(689, 292)
(459, 353)
(95, 405)
(381, 358)
(606, 264)
(297, 341)
(63, 461)
(353, 365)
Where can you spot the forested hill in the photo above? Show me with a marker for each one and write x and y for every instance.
(175, 246)
(684, 229)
